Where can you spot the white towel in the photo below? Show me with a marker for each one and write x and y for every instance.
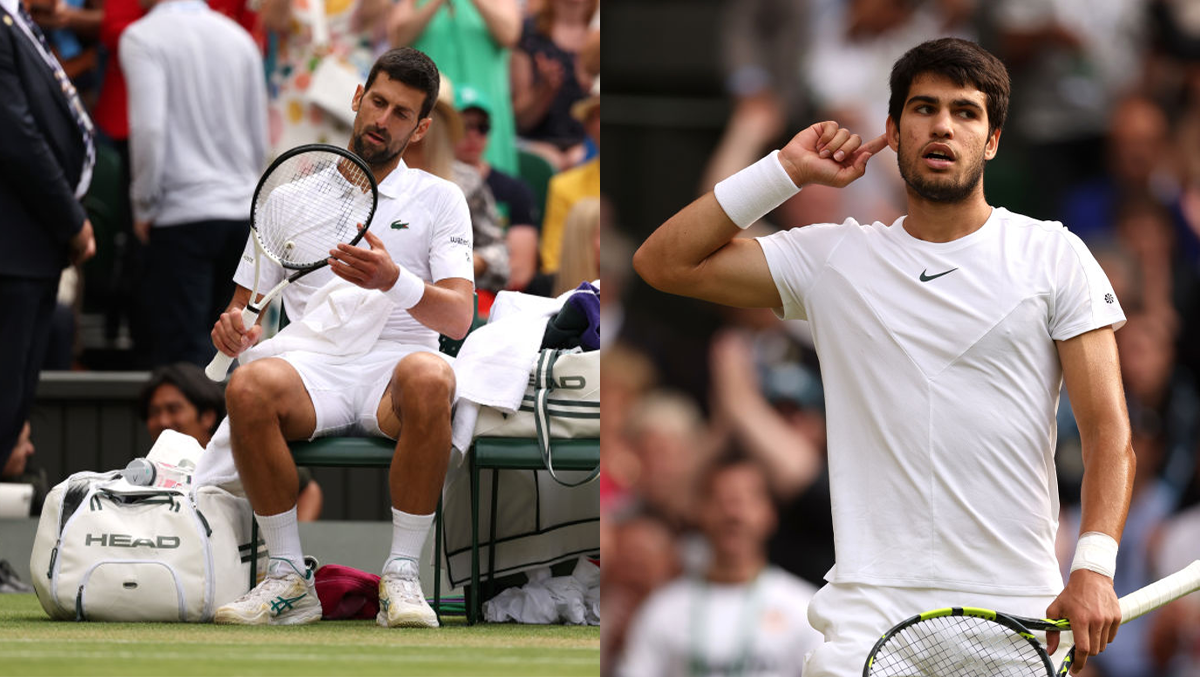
(494, 363)
(341, 320)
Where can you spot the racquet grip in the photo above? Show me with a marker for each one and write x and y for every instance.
(1161, 592)
(219, 366)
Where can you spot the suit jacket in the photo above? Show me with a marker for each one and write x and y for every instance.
(41, 158)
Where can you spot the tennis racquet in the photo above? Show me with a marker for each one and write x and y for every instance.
(972, 642)
(311, 199)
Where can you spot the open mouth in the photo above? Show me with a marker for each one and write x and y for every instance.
(938, 158)
(376, 138)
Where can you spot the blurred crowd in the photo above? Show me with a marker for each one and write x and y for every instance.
(1103, 135)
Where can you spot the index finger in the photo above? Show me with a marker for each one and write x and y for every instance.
(875, 145)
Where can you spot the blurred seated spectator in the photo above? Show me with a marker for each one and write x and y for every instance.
(434, 153)
(627, 375)
(548, 78)
(471, 41)
(579, 260)
(1069, 64)
(638, 558)
(318, 52)
(774, 412)
(180, 397)
(688, 628)
(514, 197)
(572, 185)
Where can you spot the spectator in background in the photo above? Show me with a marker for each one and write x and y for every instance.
(180, 397)
(198, 141)
(684, 629)
(471, 41)
(434, 153)
(72, 27)
(572, 185)
(548, 79)
(514, 198)
(46, 161)
(319, 51)
(647, 559)
(580, 258)
(1070, 61)
(778, 420)
(763, 43)
(666, 433)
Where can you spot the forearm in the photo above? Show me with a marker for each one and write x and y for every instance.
(85, 22)
(147, 127)
(503, 20)
(408, 21)
(1108, 460)
(791, 460)
(446, 307)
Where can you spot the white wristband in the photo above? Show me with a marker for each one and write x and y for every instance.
(408, 290)
(1097, 552)
(750, 194)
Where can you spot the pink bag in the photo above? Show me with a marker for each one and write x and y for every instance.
(347, 593)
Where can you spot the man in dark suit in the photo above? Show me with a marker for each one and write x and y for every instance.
(46, 157)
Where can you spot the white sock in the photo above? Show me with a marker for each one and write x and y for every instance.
(408, 535)
(282, 535)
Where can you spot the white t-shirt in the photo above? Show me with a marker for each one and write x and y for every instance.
(941, 384)
(425, 226)
(692, 628)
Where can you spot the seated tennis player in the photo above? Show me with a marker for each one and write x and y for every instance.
(944, 339)
(418, 254)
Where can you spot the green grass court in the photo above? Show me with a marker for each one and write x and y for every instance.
(32, 644)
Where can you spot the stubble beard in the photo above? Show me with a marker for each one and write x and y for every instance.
(946, 191)
(377, 159)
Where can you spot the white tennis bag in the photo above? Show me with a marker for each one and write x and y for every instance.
(108, 550)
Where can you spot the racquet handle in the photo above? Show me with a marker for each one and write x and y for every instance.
(1159, 593)
(219, 367)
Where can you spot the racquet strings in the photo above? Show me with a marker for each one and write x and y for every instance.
(957, 646)
(308, 204)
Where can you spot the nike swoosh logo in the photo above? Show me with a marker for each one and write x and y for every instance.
(926, 278)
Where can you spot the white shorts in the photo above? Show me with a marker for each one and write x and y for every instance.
(346, 395)
(852, 617)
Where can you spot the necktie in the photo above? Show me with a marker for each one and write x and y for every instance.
(74, 103)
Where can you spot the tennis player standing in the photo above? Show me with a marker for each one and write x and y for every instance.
(943, 340)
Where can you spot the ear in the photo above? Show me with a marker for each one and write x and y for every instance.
(993, 145)
(893, 134)
(357, 101)
(422, 128)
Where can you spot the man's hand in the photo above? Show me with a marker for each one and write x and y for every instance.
(230, 336)
(829, 155)
(141, 230)
(368, 268)
(83, 245)
(1095, 614)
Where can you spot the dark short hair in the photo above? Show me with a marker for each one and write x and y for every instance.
(733, 456)
(960, 61)
(411, 67)
(201, 391)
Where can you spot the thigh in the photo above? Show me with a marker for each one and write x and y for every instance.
(379, 417)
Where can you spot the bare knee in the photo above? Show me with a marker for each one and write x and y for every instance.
(259, 388)
(423, 382)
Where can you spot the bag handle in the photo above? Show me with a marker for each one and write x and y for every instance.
(544, 383)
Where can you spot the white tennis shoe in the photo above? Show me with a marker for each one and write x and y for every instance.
(285, 597)
(401, 602)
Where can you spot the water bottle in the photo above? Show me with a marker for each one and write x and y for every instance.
(144, 472)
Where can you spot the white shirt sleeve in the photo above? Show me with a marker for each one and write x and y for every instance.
(1083, 297)
(450, 249)
(796, 258)
(147, 86)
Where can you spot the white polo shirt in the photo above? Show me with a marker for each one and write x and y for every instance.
(941, 380)
(425, 226)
